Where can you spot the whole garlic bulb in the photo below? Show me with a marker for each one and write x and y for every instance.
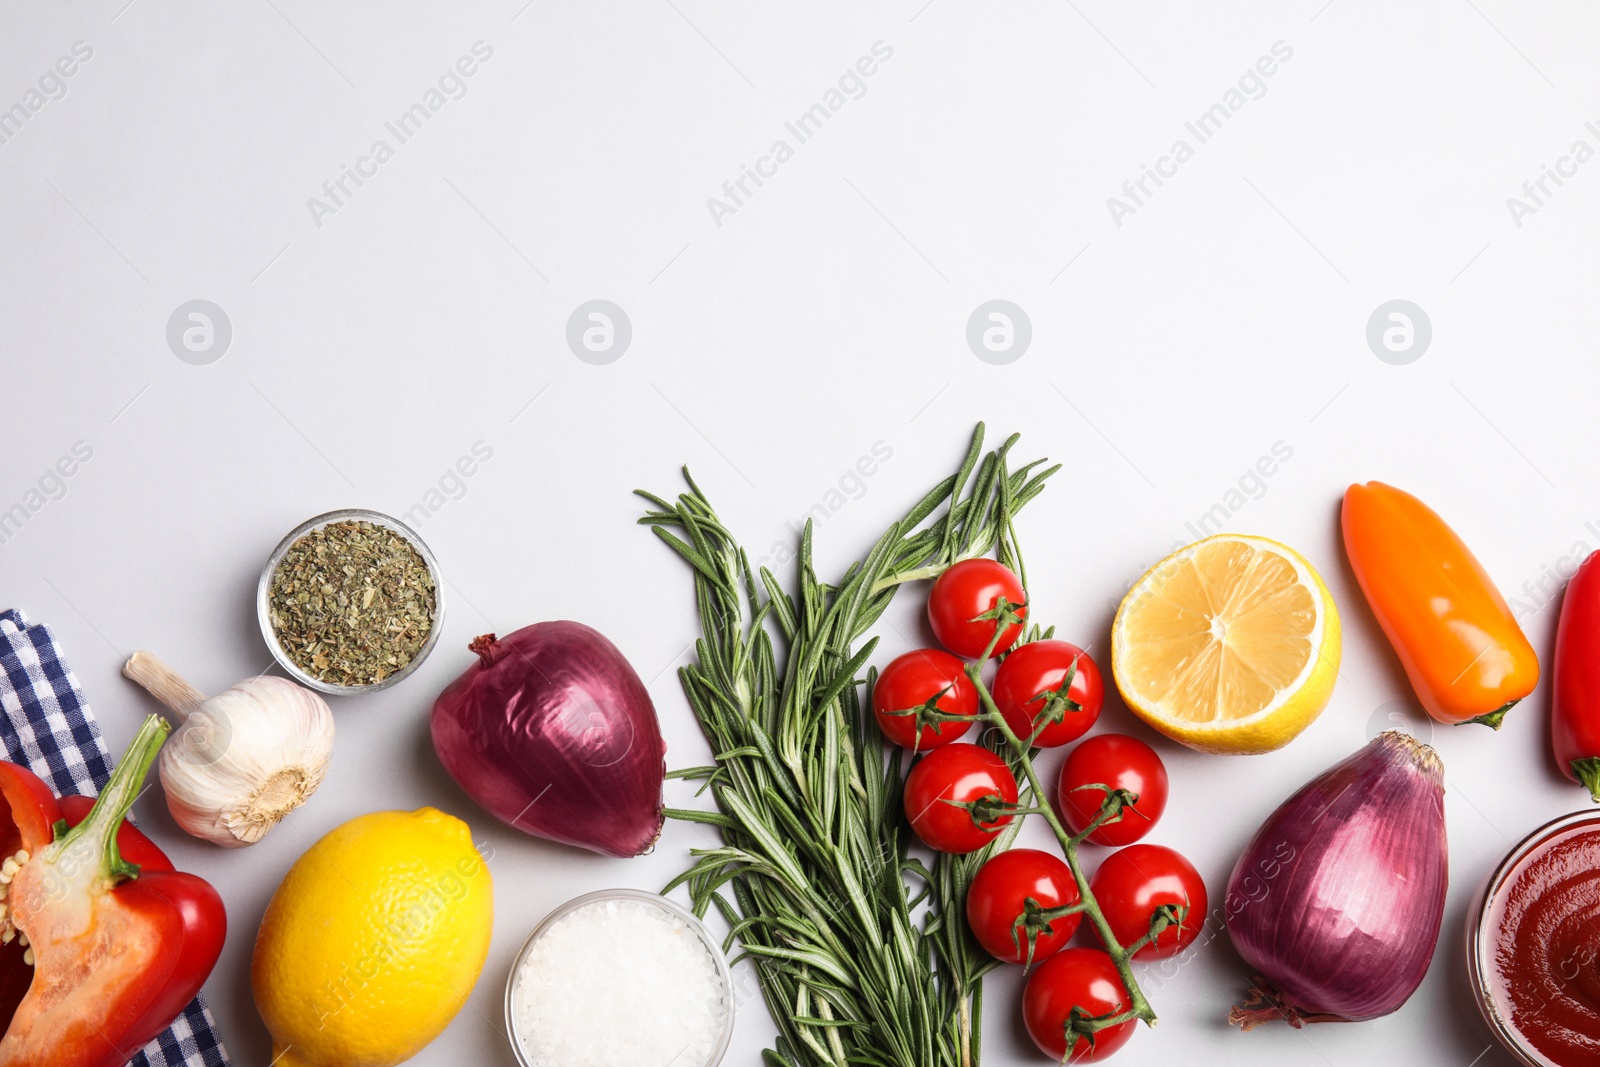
(241, 760)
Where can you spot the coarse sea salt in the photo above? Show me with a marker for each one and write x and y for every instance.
(619, 983)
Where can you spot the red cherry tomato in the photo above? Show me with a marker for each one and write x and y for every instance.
(999, 894)
(946, 779)
(1028, 685)
(967, 590)
(1133, 882)
(1079, 977)
(913, 681)
(1119, 762)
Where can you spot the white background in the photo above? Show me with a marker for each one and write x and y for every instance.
(772, 351)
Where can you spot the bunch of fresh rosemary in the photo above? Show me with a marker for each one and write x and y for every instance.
(825, 897)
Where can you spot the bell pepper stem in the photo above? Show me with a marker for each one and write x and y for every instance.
(1494, 718)
(1587, 770)
(98, 831)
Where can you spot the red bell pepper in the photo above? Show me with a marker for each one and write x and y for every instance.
(1575, 695)
(111, 942)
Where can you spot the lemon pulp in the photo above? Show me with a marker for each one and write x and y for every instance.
(1230, 644)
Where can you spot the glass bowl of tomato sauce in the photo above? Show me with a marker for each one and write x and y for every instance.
(1533, 945)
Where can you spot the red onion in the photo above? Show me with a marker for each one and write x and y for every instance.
(553, 732)
(1337, 900)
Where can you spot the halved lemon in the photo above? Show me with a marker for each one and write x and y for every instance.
(1229, 645)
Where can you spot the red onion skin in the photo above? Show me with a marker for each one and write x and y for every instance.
(1338, 899)
(553, 733)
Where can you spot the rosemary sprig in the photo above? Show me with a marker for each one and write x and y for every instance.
(814, 854)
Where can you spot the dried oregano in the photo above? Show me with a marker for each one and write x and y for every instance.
(352, 602)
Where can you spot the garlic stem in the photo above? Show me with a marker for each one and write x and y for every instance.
(163, 683)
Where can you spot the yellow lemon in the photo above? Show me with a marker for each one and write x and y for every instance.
(1229, 645)
(373, 941)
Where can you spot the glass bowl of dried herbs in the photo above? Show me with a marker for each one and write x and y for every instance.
(350, 602)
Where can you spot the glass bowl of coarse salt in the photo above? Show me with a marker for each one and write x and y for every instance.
(620, 978)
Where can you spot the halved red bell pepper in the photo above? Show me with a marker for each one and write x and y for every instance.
(1575, 694)
(119, 941)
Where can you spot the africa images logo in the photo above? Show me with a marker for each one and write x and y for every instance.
(1537, 192)
(52, 85)
(451, 85)
(1251, 85)
(852, 85)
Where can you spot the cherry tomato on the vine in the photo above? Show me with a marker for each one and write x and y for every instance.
(967, 590)
(1116, 761)
(917, 680)
(1133, 882)
(1083, 978)
(1028, 686)
(998, 897)
(946, 780)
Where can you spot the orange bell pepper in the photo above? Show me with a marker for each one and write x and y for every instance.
(1467, 658)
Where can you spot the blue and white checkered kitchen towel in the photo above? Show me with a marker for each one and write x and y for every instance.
(47, 727)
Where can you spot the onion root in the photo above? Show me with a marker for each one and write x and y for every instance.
(1265, 1004)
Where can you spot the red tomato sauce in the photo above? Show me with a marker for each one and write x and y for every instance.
(1545, 977)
